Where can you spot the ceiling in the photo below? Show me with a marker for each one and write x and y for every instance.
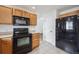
(45, 8)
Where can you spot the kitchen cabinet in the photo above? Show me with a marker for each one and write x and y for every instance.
(75, 12)
(0, 46)
(35, 40)
(33, 19)
(6, 45)
(5, 15)
(26, 14)
(17, 12)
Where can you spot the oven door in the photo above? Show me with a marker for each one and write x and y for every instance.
(21, 21)
(23, 41)
(23, 44)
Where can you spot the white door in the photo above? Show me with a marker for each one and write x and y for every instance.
(49, 31)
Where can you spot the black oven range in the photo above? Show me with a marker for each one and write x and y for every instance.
(22, 41)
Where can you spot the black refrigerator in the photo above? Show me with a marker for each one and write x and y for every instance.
(67, 34)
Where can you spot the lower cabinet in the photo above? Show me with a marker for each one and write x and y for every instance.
(35, 40)
(0, 46)
(6, 45)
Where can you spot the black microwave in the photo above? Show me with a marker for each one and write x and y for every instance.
(21, 21)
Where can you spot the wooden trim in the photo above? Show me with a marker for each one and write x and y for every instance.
(69, 14)
(7, 23)
(5, 6)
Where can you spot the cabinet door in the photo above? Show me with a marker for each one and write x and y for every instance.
(0, 46)
(33, 19)
(26, 14)
(17, 12)
(5, 15)
(6, 46)
(35, 43)
(35, 40)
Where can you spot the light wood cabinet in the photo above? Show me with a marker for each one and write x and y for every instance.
(6, 45)
(0, 46)
(33, 19)
(76, 12)
(17, 12)
(35, 40)
(5, 15)
(26, 14)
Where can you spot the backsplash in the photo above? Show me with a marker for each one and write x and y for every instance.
(9, 28)
(32, 29)
(6, 28)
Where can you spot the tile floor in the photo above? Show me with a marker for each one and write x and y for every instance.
(47, 48)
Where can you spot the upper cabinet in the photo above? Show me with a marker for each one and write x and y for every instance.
(71, 13)
(5, 15)
(17, 12)
(26, 14)
(33, 19)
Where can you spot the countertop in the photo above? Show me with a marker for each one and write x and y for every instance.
(5, 34)
(33, 32)
(9, 34)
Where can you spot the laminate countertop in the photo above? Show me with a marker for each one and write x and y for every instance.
(5, 34)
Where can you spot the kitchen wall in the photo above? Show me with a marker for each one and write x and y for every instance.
(6, 28)
(9, 28)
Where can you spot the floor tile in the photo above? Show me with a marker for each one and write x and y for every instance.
(47, 48)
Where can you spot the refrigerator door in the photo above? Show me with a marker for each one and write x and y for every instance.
(68, 34)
